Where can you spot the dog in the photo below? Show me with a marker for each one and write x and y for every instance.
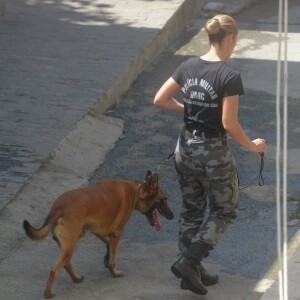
(103, 209)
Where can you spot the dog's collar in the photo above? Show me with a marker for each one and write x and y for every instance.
(138, 190)
(139, 186)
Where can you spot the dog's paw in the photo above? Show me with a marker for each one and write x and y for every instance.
(78, 280)
(117, 273)
(48, 294)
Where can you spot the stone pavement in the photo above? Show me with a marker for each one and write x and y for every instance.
(62, 65)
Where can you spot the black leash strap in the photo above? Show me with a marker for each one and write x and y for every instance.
(259, 177)
(171, 156)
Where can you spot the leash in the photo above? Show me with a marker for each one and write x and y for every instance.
(163, 163)
(259, 177)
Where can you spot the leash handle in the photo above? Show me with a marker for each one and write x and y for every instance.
(261, 181)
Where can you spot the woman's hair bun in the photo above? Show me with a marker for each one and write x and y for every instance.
(213, 26)
(221, 25)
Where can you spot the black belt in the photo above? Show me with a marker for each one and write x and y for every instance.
(205, 134)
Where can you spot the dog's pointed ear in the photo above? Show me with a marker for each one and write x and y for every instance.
(148, 176)
(154, 181)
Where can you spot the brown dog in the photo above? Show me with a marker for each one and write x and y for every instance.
(103, 209)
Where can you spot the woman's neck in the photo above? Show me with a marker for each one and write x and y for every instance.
(215, 53)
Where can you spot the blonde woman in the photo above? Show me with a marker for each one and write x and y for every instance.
(203, 160)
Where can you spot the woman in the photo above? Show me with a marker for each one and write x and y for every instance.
(204, 163)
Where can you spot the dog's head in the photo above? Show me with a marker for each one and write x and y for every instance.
(152, 198)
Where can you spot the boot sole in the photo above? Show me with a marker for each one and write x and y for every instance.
(183, 285)
(210, 282)
(181, 272)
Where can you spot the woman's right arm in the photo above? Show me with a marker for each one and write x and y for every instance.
(233, 127)
(164, 97)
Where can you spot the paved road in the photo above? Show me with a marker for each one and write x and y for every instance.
(150, 135)
(60, 59)
(249, 248)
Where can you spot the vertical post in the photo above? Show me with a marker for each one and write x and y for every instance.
(2, 7)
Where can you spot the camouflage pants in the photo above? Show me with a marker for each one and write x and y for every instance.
(209, 185)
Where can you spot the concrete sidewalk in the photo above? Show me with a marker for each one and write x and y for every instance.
(62, 65)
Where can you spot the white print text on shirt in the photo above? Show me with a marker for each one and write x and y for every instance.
(190, 82)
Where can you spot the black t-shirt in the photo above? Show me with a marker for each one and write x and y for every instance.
(204, 85)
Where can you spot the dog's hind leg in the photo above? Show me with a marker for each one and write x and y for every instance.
(69, 268)
(66, 239)
(63, 261)
(75, 277)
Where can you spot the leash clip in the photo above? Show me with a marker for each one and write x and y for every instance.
(162, 164)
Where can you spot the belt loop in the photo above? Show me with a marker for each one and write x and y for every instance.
(203, 136)
(195, 133)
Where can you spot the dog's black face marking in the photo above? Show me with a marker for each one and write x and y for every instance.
(149, 216)
(151, 179)
(164, 210)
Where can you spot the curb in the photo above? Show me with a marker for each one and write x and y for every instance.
(185, 14)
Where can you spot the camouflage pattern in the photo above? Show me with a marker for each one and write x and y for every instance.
(209, 184)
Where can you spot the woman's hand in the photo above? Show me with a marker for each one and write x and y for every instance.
(259, 145)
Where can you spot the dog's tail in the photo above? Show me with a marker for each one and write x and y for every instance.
(37, 233)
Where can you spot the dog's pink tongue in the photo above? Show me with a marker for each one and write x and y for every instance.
(156, 222)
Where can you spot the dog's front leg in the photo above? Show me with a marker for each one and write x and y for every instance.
(106, 257)
(113, 246)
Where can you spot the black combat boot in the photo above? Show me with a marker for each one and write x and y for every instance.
(206, 278)
(189, 272)
(187, 267)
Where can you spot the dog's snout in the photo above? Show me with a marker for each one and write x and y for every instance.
(165, 210)
(170, 216)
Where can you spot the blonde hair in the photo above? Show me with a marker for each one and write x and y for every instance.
(220, 26)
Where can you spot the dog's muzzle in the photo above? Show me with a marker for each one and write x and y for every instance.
(163, 210)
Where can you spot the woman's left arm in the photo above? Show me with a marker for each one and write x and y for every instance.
(164, 97)
(233, 127)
